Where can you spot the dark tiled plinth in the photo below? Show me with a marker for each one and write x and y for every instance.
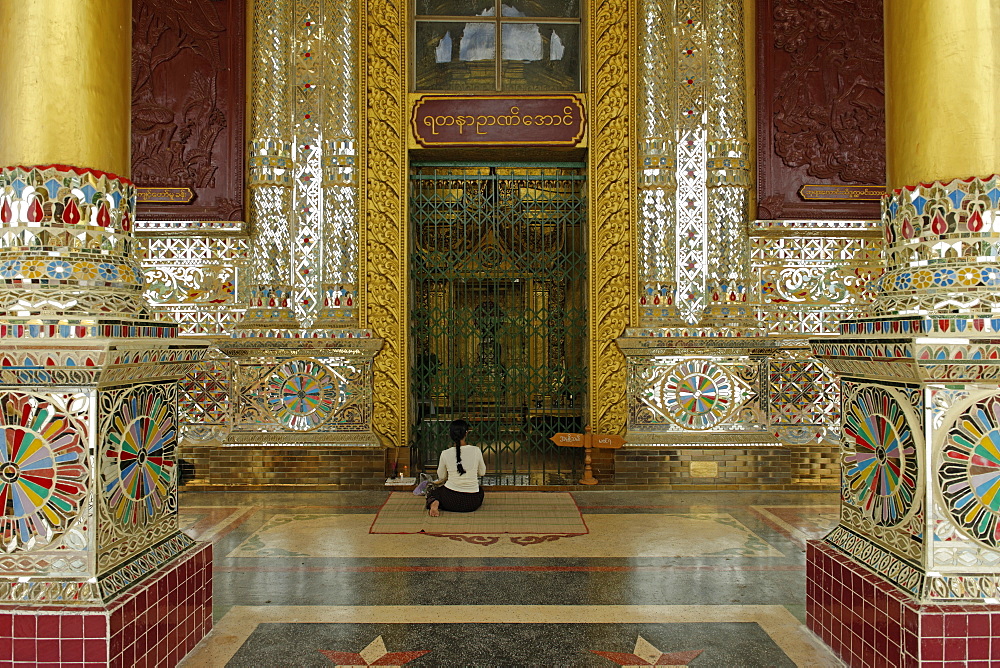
(155, 623)
(867, 621)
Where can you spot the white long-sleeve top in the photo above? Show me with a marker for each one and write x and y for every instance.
(472, 462)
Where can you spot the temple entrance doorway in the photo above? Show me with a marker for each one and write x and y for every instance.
(498, 266)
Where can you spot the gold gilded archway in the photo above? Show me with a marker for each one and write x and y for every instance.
(384, 299)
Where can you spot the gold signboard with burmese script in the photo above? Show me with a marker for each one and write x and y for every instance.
(837, 192)
(537, 120)
(145, 195)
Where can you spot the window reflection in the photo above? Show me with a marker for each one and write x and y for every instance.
(456, 56)
(476, 42)
(522, 41)
(542, 8)
(453, 7)
(537, 56)
(526, 42)
(534, 56)
(507, 10)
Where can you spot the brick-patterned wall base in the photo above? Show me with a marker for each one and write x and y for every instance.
(196, 461)
(815, 465)
(722, 467)
(716, 468)
(302, 465)
(154, 624)
(868, 622)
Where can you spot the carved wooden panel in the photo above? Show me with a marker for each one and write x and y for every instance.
(188, 102)
(820, 104)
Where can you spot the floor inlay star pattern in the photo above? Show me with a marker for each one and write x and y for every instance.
(647, 655)
(374, 654)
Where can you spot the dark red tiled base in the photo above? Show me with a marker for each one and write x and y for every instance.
(869, 622)
(152, 625)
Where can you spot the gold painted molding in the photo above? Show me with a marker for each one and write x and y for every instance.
(613, 279)
(383, 290)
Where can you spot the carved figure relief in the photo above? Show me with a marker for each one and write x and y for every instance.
(830, 104)
(187, 105)
(822, 103)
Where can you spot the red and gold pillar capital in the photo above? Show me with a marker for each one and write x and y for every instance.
(943, 155)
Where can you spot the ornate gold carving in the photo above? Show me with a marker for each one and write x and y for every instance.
(383, 235)
(612, 270)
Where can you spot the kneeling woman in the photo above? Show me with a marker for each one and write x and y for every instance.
(460, 492)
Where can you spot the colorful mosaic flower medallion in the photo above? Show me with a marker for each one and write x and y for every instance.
(43, 471)
(302, 394)
(969, 474)
(697, 394)
(881, 470)
(138, 472)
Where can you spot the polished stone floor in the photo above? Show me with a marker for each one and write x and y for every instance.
(661, 578)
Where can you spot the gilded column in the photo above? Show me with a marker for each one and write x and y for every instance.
(920, 147)
(921, 425)
(101, 85)
(88, 392)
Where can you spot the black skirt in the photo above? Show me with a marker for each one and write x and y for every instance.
(452, 501)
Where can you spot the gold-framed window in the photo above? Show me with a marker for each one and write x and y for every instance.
(491, 46)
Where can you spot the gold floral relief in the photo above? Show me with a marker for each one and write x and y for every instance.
(383, 239)
(613, 278)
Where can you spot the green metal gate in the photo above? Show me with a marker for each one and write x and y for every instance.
(498, 266)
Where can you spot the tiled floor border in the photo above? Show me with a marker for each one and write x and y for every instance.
(240, 621)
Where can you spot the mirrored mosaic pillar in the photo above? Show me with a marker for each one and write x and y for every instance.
(920, 448)
(337, 301)
(694, 182)
(658, 168)
(88, 391)
(696, 367)
(730, 295)
(270, 300)
(303, 178)
(302, 371)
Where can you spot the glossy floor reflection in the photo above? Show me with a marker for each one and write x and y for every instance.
(668, 578)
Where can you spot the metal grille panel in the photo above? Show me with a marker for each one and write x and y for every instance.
(499, 319)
